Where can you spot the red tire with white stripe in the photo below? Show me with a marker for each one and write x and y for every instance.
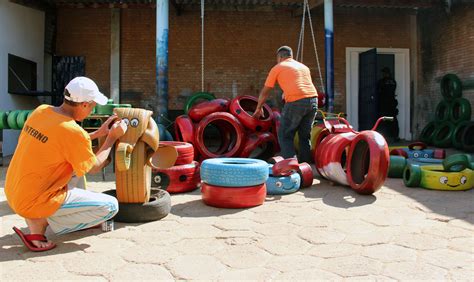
(368, 162)
(232, 141)
(185, 151)
(177, 179)
(233, 198)
(259, 146)
(243, 108)
(199, 111)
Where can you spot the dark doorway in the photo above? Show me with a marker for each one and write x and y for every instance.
(385, 61)
(368, 102)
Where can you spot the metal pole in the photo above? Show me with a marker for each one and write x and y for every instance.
(329, 53)
(162, 12)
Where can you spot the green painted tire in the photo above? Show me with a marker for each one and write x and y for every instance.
(456, 138)
(460, 110)
(467, 138)
(4, 120)
(456, 163)
(427, 133)
(412, 175)
(451, 87)
(396, 166)
(442, 112)
(21, 119)
(443, 135)
(12, 116)
(106, 109)
(195, 97)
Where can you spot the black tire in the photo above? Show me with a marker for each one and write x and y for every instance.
(443, 110)
(451, 87)
(443, 134)
(426, 135)
(157, 208)
(467, 138)
(459, 110)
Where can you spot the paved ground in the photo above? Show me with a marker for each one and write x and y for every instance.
(323, 232)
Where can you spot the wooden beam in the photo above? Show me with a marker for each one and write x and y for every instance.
(312, 4)
(412, 4)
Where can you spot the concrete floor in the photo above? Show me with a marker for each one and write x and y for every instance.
(322, 232)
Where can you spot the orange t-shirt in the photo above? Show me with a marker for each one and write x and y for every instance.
(50, 148)
(294, 79)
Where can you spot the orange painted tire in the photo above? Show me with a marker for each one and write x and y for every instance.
(185, 151)
(266, 141)
(243, 108)
(285, 167)
(199, 111)
(233, 198)
(177, 179)
(333, 157)
(368, 162)
(306, 174)
(234, 138)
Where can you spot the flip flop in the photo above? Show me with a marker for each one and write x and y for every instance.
(33, 237)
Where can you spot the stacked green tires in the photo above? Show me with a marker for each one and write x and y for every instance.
(451, 125)
(14, 119)
(108, 108)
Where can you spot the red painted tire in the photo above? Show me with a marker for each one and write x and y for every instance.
(259, 146)
(417, 146)
(333, 157)
(321, 100)
(274, 160)
(318, 151)
(399, 152)
(322, 134)
(233, 198)
(199, 111)
(285, 167)
(225, 122)
(185, 151)
(184, 130)
(177, 179)
(243, 108)
(439, 153)
(306, 174)
(368, 162)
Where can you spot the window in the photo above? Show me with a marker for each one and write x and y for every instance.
(21, 75)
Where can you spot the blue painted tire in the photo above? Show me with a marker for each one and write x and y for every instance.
(419, 154)
(280, 185)
(234, 172)
(424, 161)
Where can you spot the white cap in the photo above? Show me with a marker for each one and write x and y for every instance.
(83, 89)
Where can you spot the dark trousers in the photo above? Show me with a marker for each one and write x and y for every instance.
(297, 116)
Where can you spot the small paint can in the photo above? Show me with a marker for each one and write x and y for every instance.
(108, 225)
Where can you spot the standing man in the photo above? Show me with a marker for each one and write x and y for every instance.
(388, 105)
(51, 149)
(300, 106)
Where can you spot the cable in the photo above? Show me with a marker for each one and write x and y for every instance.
(315, 47)
(202, 45)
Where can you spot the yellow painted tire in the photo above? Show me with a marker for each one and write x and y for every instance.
(435, 178)
(315, 131)
(123, 156)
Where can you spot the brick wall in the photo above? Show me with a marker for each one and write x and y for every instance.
(447, 46)
(239, 47)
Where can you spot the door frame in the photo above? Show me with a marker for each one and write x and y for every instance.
(402, 77)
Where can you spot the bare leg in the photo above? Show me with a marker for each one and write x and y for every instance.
(38, 226)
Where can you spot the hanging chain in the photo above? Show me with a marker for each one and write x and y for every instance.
(315, 47)
(301, 37)
(202, 45)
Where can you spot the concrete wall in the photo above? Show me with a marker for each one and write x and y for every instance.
(22, 34)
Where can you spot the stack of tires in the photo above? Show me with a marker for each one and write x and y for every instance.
(184, 176)
(234, 182)
(14, 119)
(287, 176)
(452, 126)
(225, 128)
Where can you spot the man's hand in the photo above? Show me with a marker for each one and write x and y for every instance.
(117, 130)
(258, 113)
(105, 127)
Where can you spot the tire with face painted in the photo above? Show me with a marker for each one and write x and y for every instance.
(332, 157)
(368, 162)
(199, 111)
(281, 185)
(233, 138)
(243, 108)
(259, 146)
(434, 178)
(185, 151)
(233, 197)
(177, 179)
(412, 175)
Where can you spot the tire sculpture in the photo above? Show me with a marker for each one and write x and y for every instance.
(259, 146)
(285, 167)
(199, 111)
(281, 185)
(243, 108)
(177, 179)
(195, 98)
(435, 178)
(229, 197)
(185, 151)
